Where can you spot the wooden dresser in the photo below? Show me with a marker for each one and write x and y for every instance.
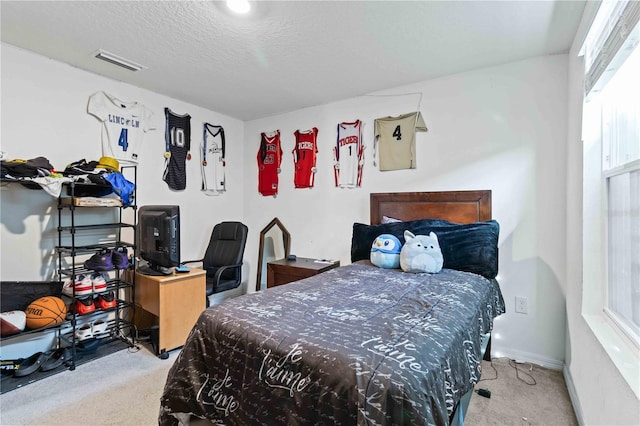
(284, 271)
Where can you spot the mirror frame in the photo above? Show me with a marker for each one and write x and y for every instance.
(286, 237)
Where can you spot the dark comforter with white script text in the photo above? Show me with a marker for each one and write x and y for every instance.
(354, 345)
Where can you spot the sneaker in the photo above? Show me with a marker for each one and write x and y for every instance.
(99, 282)
(106, 301)
(57, 357)
(82, 286)
(84, 306)
(85, 332)
(99, 262)
(120, 258)
(99, 329)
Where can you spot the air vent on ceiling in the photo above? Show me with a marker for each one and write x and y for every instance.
(117, 60)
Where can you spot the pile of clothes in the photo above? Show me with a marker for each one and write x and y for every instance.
(36, 167)
(102, 177)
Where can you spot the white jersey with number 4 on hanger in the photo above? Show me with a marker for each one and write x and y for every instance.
(124, 125)
(396, 137)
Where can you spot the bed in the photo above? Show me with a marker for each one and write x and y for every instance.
(357, 344)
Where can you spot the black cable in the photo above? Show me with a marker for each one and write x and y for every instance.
(490, 378)
(514, 364)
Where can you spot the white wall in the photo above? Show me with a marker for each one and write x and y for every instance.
(500, 128)
(44, 105)
(600, 394)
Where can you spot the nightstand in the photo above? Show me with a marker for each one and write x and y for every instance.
(284, 271)
(176, 300)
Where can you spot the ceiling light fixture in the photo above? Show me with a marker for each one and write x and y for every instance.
(117, 60)
(239, 6)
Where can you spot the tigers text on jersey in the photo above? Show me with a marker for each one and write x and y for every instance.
(304, 157)
(124, 125)
(349, 155)
(396, 136)
(269, 159)
(212, 151)
(177, 146)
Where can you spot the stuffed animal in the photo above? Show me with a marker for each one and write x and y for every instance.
(385, 251)
(421, 253)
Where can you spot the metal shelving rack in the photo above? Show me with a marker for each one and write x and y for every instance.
(122, 283)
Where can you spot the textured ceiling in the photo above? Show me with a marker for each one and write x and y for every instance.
(288, 55)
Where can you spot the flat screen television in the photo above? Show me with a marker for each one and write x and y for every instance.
(158, 239)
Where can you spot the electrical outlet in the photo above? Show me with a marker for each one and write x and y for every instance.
(521, 305)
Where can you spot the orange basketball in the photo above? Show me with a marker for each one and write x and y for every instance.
(45, 312)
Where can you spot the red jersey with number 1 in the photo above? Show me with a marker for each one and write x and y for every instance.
(269, 158)
(304, 157)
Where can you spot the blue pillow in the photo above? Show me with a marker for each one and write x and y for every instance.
(470, 247)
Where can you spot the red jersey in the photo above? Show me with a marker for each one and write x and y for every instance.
(269, 158)
(304, 157)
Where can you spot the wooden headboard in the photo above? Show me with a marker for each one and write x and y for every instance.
(454, 206)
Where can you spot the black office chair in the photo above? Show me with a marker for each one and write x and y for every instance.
(223, 257)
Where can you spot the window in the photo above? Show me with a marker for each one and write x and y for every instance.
(611, 122)
(619, 102)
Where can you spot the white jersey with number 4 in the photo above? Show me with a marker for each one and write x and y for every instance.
(397, 140)
(349, 155)
(124, 125)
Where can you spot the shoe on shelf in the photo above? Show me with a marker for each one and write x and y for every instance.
(82, 285)
(96, 329)
(56, 357)
(84, 306)
(30, 365)
(106, 301)
(120, 258)
(84, 332)
(99, 282)
(99, 328)
(87, 347)
(99, 262)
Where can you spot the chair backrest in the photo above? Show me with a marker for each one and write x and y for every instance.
(226, 245)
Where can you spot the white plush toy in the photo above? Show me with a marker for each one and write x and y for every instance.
(421, 253)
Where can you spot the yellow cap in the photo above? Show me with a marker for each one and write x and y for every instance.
(109, 163)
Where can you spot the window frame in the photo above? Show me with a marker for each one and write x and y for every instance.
(619, 345)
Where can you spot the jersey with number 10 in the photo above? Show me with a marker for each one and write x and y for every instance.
(124, 125)
(177, 144)
(304, 157)
(349, 155)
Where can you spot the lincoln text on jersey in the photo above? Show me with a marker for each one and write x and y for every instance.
(116, 119)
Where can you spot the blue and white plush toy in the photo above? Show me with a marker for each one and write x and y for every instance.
(421, 253)
(385, 251)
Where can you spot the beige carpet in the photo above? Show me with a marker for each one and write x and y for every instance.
(124, 388)
(532, 395)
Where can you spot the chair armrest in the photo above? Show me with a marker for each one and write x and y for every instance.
(221, 269)
(191, 261)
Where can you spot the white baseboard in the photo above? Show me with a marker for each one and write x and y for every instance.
(522, 356)
(573, 395)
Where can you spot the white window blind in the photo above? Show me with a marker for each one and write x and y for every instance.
(624, 251)
(614, 26)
